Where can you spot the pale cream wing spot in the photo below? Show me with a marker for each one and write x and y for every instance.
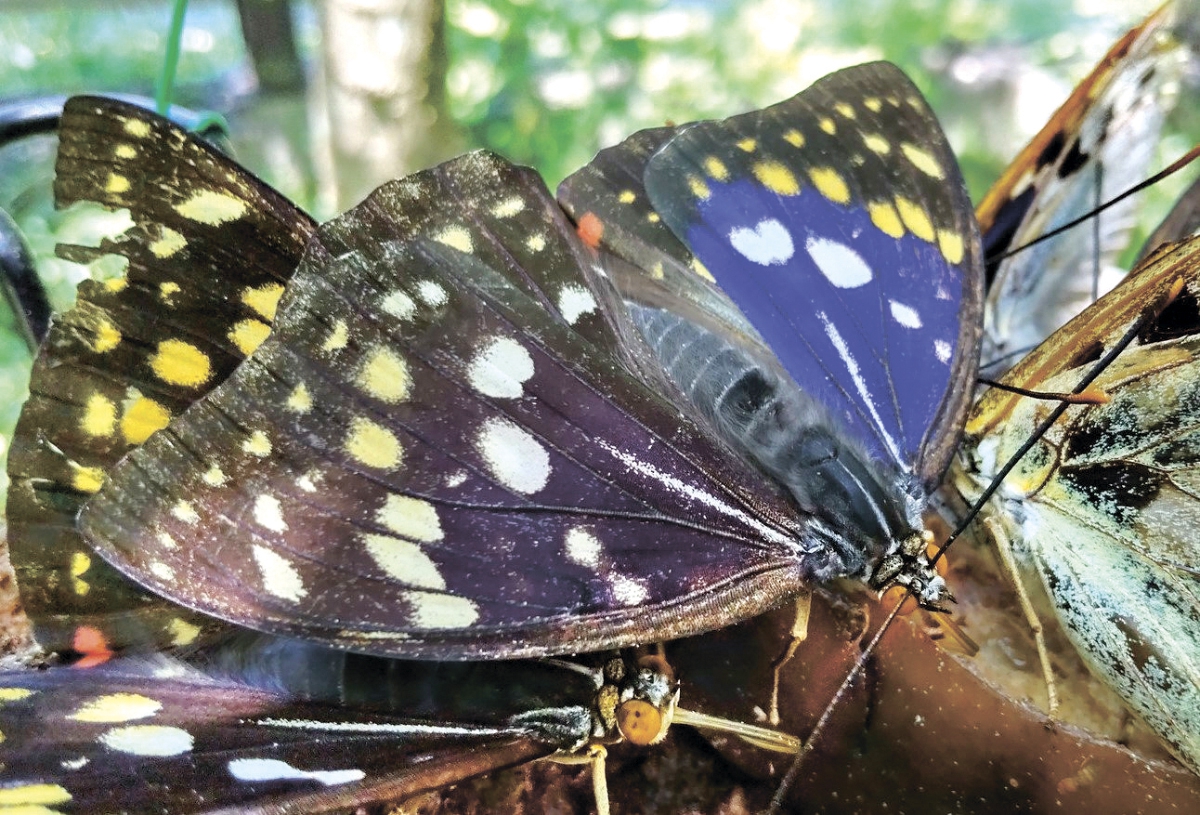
(411, 518)
(257, 444)
(583, 547)
(399, 305)
(509, 207)
(185, 512)
(439, 611)
(432, 294)
(168, 244)
(212, 208)
(384, 375)
(373, 445)
(627, 591)
(116, 707)
(268, 513)
(338, 337)
(162, 571)
(535, 243)
(456, 237)
(279, 576)
(149, 740)
(403, 560)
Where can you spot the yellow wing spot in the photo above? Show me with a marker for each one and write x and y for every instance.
(99, 416)
(143, 418)
(794, 137)
(116, 184)
(279, 576)
(877, 144)
(404, 561)
(116, 707)
(373, 444)
(627, 196)
(456, 237)
(830, 184)
(914, 102)
(116, 285)
(702, 270)
(137, 128)
(828, 125)
(653, 218)
(776, 177)
(915, 218)
(247, 335)
(873, 104)
(716, 169)
(212, 208)
(951, 244)
(180, 363)
(169, 243)
(257, 444)
(535, 243)
(656, 271)
(185, 512)
(32, 798)
(884, 216)
(844, 109)
(125, 151)
(264, 299)
(86, 479)
(699, 189)
(410, 518)
(214, 476)
(923, 160)
(384, 375)
(747, 145)
(80, 563)
(167, 292)
(182, 632)
(299, 400)
(105, 335)
(14, 694)
(338, 337)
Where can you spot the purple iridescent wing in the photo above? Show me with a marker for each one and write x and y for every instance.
(837, 221)
(438, 453)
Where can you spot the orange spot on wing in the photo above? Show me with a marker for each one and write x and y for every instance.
(591, 229)
(92, 643)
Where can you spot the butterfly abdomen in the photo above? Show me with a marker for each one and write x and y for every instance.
(860, 516)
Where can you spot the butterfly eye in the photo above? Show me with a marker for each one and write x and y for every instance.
(640, 722)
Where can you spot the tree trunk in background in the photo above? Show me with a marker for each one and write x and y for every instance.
(383, 88)
(267, 29)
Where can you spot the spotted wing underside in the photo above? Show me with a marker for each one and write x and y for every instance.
(838, 223)
(206, 255)
(435, 453)
(1110, 526)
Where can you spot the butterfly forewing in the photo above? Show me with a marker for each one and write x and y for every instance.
(838, 223)
(424, 460)
(207, 255)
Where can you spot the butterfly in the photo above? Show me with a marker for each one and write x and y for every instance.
(172, 243)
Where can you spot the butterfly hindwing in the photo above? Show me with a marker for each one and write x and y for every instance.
(1105, 506)
(469, 473)
(206, 256)
(838, 223)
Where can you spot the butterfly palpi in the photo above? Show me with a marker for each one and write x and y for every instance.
(441, 451)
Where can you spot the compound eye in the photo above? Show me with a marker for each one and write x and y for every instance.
(640, 722)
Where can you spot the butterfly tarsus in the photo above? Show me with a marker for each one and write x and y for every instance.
(1090, 396)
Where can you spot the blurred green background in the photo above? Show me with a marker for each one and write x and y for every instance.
(548, 82)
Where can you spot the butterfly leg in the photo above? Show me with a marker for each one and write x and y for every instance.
(803, 607)
(595, 756)
(1004, 547)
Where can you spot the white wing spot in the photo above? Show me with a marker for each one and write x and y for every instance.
(500, 368)
(456, 479)
(151, 740)
(515, 458)
(162, 571)
(943, 350)
(583, 547)
(399, 305)
(574, 301)
(841, 265)
(431, 293)
(768, 244)
(907, 316)
(269, 513)
(272, 769)
(279, 577)
(627, 591)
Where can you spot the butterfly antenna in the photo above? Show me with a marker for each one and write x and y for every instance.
(1088, 396)
(1177, 165)
(789, 779)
